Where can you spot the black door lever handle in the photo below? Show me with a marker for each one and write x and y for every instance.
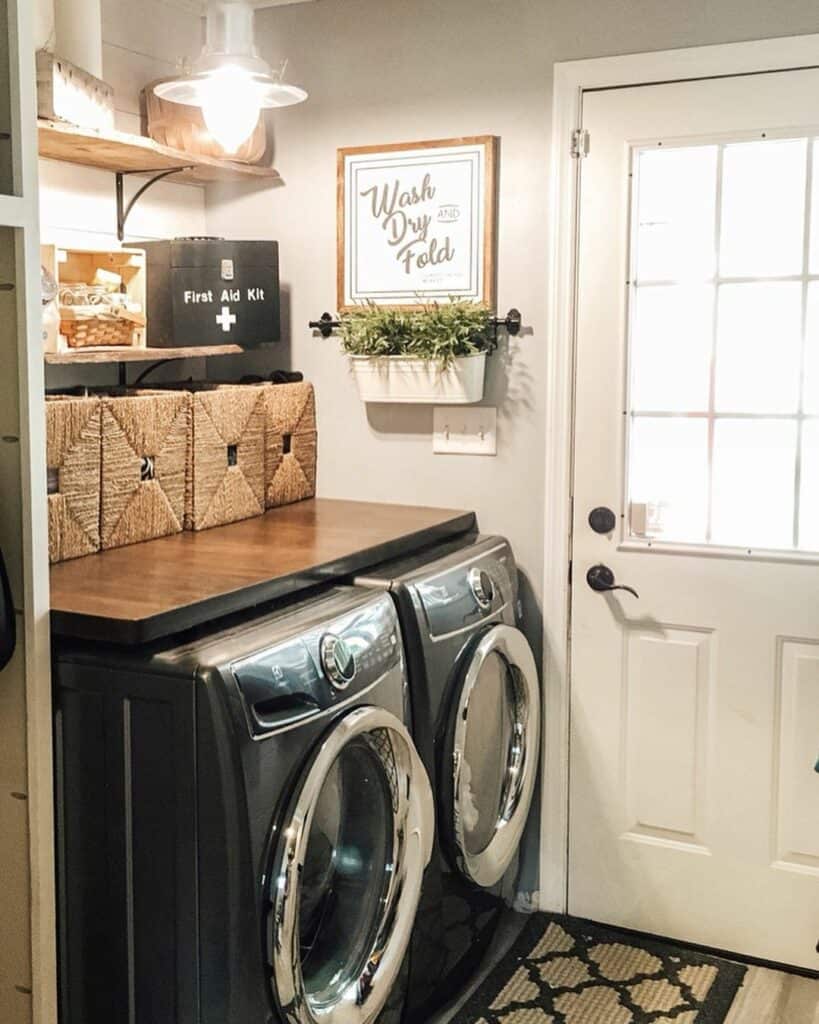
(601, 579)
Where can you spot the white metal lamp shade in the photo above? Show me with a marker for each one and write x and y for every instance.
(230, 81)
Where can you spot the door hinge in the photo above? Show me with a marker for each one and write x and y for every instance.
(570, 572)
(581, 143)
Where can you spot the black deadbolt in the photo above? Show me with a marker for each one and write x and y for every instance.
(602, 519)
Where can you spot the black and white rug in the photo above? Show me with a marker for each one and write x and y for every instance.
(565, 971)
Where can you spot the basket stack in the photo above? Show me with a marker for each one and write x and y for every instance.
(226, 457)
(292, 443)
(130, 466)
(73, 456)
(144, 466)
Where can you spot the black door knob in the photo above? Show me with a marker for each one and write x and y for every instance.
(601, 579)
(602, 519)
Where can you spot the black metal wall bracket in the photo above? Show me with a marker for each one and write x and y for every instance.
(511, 323)
(123, 209)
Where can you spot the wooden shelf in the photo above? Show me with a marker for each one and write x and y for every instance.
(119, 152)
(137, 594)
(143, 355)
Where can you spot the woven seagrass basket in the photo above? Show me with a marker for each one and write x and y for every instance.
(98, 331)
(73, 447)
(145, 437)
(226, 460)
(292, 443)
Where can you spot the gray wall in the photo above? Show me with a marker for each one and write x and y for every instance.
(393, 71)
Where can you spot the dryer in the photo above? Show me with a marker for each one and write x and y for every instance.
(244, 822)
(475, 696)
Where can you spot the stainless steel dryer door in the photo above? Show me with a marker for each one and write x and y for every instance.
(495, 742)
(346, 879)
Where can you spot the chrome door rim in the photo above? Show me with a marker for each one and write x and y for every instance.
(413, 834)
(489, 866)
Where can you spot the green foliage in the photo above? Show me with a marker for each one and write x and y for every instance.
(439, 332)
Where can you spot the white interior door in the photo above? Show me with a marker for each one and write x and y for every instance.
(694, 802)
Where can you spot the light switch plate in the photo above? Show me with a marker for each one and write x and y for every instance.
(465, 430)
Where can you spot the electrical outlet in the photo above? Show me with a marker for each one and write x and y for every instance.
(465, 430)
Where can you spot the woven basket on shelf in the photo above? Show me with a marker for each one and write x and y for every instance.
(144, 466)
(226, 471)
(73, 459)
(99, 330)
(292, 443)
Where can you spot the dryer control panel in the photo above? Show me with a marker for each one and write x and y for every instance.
(464, 594)
(319, 669)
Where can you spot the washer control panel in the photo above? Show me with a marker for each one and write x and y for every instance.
(321, 664)
(337, 660)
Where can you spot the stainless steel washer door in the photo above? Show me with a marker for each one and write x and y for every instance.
(347, 879)
(496, 738)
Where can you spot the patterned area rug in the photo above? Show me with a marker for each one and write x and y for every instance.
(565, 971)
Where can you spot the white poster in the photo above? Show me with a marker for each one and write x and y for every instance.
(416, 223)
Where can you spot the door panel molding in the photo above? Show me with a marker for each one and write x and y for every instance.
(795, 823)
(571, 81)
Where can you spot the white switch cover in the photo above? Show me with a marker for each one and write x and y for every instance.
(465, 430)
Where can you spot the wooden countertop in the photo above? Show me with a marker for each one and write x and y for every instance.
(140, 593)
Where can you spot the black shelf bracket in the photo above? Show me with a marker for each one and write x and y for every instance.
(511, 323)
(124, 209)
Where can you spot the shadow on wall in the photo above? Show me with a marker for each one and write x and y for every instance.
(262, 361)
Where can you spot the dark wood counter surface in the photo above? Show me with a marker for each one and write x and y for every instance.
(140, 593)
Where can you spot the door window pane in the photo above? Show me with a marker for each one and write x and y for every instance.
(810, 390)
(669, 478)
(753, 466)
(763, 208)
(676, 213)
(759, 347)
(671, 348)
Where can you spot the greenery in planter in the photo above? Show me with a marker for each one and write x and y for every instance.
(439, 332)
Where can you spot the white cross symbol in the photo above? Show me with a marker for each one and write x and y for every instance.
(226, 319)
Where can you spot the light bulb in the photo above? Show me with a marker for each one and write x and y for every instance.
(231, 103)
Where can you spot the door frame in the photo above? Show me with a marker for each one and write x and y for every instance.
(21, 212)
(572, 79)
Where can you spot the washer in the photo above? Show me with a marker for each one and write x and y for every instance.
(244, 822)
(476, 710)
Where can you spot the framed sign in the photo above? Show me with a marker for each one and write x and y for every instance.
(416, 223)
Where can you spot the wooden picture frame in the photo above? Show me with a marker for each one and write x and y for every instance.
(392, 198)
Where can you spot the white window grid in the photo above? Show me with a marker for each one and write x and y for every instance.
(712, 414)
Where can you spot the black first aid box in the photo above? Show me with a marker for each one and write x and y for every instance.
(207, 291)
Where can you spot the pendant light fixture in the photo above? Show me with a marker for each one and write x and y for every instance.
(230, 81)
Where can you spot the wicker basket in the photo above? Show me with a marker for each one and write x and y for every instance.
(73, 445)
(292, 444)
(99, 330)
(145, 438)
(226, 474)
